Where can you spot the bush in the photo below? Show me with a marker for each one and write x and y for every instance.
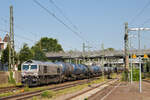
(135, 74)
(125, 75)
(26, 88)
(34, 98)
(11, 79)
(47, 94)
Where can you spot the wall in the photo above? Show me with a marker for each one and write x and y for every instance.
(4, 77)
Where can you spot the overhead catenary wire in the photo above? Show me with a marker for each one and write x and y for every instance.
(63, 14)
(18, 28)
(140, 12)
(146, 21)
(66, 18)
(22, 37)
(59, 20)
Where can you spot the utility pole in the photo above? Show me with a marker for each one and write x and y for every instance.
(131, 67)
(11, 40)
(126, 47)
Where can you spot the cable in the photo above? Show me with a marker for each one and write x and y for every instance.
(59, 20)
(63, 14)
(141, 11)
(22, 37)
(146, 21)
(61, 11)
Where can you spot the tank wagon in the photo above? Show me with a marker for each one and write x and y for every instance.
(95, 71)
(37, 72)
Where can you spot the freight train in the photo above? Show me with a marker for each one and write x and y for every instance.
(34, 73)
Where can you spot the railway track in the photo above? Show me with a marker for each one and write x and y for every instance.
(148, 81)
(10, 88)
(105, 92)
(99, 91)
(27, 95)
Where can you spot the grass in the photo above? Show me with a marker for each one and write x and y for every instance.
(10, 93)
(9, 84)
(11, 79)
(77, 88)
(34, 98)
(52, 94)
(114, 75)
(6, 85)
(47, 94)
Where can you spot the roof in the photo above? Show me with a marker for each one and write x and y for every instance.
(38, 62)
(6, 38)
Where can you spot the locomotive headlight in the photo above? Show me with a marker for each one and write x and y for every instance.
(35, 74)
(22, 74)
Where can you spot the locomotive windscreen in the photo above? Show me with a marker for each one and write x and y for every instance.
(25, 67)
(33, 67)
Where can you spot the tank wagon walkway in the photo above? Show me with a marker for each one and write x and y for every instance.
(127, 91)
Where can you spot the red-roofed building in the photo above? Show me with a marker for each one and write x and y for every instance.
(3, 44)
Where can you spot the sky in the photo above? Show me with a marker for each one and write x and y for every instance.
(97, 21)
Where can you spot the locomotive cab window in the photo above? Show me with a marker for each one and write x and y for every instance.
(25, 67)
(33, 67)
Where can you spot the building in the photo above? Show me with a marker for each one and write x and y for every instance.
(3, 43)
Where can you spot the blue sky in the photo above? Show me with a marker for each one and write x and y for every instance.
(100, 21)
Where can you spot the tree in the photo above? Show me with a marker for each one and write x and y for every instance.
(110, 49)
(5, 56)
(25, 54)
(38, 54)
(49, 45)
(45, 45)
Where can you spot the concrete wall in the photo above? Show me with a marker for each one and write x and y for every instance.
(4, 77)
(17, 75)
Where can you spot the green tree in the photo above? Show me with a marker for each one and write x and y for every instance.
(44, 45)
(5, 56)
(49, 45)
(110, 49)
(25, 53)
(38, 54)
